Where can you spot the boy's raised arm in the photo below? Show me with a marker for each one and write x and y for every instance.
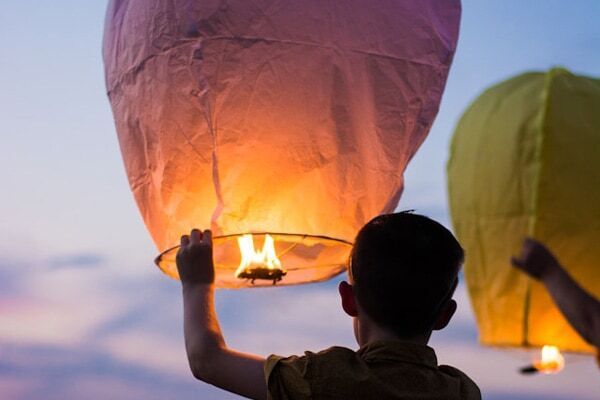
(209, 358)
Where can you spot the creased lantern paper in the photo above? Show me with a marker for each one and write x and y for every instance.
(294, 117)
(525, 161)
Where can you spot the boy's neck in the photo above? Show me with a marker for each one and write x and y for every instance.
(368, 332)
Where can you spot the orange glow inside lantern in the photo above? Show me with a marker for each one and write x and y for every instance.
(266, 258)
(551, 362)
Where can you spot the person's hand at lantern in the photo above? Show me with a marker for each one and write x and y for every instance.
(209, 357)
(535, 259)
(194, 258)
(579, 307)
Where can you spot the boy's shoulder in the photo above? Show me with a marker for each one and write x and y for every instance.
(312, 365)
(307, 376)
(468, 386)
(453, 371)
(384, 370)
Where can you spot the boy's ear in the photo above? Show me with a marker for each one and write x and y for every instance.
(445, 315)
(348, 301)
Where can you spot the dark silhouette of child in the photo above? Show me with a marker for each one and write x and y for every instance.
(402, 275)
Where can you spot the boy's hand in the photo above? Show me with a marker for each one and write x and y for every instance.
(195, 258)
(209, 357)
(535, 259)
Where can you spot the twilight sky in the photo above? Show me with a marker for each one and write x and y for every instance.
(83, 311)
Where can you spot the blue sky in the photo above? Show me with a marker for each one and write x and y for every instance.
(83, 311)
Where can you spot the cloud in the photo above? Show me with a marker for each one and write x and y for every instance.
(62, 372)
(154, 351)
(78, 260)
(9, 278)
(85, 332)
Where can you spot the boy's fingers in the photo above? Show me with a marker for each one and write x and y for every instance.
(196, 236)
(207, 237)
(185, 240)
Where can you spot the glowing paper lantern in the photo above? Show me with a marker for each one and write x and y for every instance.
(525, 161)
(289, 118)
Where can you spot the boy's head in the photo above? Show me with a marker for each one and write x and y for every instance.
(404, 269)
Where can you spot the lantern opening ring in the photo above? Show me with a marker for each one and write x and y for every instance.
(295, 242)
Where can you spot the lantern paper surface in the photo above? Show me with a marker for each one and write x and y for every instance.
(292, 117)
(525, 161)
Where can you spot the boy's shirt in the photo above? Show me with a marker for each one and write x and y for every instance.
(380, 370)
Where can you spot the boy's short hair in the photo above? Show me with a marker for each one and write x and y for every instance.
(404, 267)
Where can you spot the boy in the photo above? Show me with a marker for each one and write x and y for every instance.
(403, 272)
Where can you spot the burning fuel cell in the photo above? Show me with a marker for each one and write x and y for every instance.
(262, 264)
(551, 362)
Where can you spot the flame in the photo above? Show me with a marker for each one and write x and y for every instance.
(552, 361)
(265, 258)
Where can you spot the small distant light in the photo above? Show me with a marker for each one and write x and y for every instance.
(551, 362)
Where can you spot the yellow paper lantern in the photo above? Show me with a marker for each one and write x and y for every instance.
(291, 121)
(525, 161)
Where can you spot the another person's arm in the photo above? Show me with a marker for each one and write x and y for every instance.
(580, 308)
(209, 357)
